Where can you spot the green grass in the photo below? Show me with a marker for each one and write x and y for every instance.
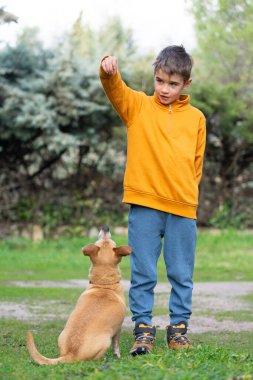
(40, 294)
(248, 298)
(48, 260)
(237, 316)
(216, 356)
(225, 257)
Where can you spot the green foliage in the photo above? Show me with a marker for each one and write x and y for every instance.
(224, 33)
(60, 129)
(23, 210)
(51, 108)
(223, 90)
(111, 38)
(225, 218)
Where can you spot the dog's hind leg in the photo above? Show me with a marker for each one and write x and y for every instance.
(115, 345)
(104, 344)
(94, 348)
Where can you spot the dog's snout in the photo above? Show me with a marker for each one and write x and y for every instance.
(104, 233)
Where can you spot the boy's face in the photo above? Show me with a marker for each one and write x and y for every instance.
(168, 88)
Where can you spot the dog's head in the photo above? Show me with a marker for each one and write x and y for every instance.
(105, 257)
(105, 251)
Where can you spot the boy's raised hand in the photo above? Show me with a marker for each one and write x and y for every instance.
(110, 65)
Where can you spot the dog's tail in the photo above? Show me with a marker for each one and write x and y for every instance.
(40, 359)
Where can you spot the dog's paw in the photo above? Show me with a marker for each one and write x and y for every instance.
(116, 355)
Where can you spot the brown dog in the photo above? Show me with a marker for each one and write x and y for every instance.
(99, 313)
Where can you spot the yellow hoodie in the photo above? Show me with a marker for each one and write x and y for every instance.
(165, 148)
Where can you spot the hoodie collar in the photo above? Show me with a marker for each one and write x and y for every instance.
(178, 105)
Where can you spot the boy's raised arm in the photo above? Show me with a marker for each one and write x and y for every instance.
(125, 100)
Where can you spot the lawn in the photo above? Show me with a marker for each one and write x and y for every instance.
(217, 355)
(223, 257)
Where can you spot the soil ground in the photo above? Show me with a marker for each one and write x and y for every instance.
(209, 299)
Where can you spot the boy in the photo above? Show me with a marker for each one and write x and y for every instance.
(166, 143)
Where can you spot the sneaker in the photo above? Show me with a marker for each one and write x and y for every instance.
(176, 336)
(144, 339)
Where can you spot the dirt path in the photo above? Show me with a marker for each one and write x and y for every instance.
(209, 299)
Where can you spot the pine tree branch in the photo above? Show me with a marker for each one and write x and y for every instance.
(6, 17)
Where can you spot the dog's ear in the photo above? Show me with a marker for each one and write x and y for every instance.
(122, 250)
(89, 249)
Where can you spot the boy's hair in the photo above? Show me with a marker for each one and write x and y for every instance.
(174, 60)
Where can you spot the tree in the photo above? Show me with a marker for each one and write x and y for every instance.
(83, 40)
(224, 91)
(55, 126)
(112, 38)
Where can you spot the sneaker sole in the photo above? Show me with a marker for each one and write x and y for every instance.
(140, 351)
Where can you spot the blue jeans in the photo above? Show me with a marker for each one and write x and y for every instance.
(147, 227)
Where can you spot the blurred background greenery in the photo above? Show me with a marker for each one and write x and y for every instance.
(63, 149)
